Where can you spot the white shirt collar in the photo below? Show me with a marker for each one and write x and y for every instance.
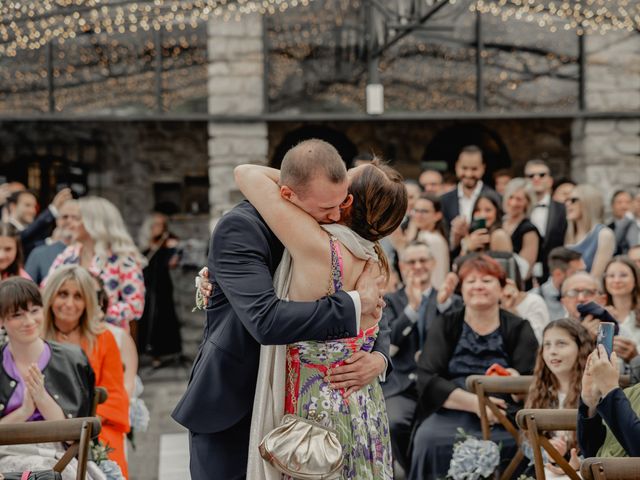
(546, 200)
(475, 193)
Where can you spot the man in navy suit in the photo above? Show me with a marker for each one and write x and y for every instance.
(457, 205)
(549, 217)
(409, 312)
(243, 312)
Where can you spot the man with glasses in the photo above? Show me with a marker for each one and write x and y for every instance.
(548, 216)
(410, 310)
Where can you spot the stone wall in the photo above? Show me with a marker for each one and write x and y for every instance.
(606, 152)
(236, 66)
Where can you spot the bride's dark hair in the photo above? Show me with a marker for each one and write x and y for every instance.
(379, 203)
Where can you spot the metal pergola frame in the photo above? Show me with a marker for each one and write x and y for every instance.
(373, 55)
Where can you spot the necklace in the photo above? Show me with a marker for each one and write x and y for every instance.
(65, 335)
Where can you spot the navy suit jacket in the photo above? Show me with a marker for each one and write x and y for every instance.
(40, 260)
(405, 337)
(451, 207)
(36, 232)
(244, 313)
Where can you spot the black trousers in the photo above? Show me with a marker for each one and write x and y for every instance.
(221, 455)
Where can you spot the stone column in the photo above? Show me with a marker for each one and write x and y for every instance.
(606, 153)
(235, 86)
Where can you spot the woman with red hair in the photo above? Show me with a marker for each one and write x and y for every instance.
(466, 342)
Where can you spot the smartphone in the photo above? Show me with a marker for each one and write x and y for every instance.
(605, 336)
(477, 224)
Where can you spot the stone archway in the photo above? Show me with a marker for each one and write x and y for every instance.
(339, 140)
(447, 143)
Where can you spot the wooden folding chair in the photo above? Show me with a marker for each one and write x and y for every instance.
(100, 396)
(80, 431)
(536, 421)
(610, 468)
(483, 386)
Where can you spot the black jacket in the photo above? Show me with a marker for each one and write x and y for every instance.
(451, 206)
(618, 413)
(243, 313)
(405, 338)
(434, 384)
(554, 235)
(68, 377)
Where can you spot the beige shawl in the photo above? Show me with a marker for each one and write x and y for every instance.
(268, 404)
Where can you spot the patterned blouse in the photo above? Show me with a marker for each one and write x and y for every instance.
(123, 282)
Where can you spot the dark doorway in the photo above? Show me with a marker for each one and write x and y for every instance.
(46, 175)
(339, 140)
(446, 146)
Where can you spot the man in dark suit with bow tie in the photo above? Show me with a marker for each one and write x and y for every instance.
(548, 216)
(244, 312)
(409, 312)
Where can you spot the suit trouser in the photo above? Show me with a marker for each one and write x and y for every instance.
(220, 455)
(400, 410)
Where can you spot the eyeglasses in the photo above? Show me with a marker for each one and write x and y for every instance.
(421, 261)
(585, 292)
(572, 200)
(421, 210)
(539, 175)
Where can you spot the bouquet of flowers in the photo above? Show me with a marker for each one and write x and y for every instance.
(100, 455)
(473, 459)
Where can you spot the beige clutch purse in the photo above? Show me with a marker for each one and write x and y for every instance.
(303, 449)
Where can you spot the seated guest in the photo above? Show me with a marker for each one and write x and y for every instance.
(518, 202)
(527, 305)
(462, 343)
(492, 236)
(410, 311)
(23, 207)
(583, 287)
(549, 216)
(501, 178)
(561, 189)
(562, 264)
(622, 288)
(39, 380)
(41, 258)
(72, 316)
(608, 423)
(585, 232)
(561, 360)
(621, 202)
(11, 258)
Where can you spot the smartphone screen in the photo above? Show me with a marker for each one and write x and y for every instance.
(477, 224)
(605, 336)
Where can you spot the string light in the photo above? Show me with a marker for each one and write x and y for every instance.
(32, 24)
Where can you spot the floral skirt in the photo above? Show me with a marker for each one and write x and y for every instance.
(360, 420)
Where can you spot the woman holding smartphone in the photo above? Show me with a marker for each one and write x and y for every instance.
(486, 232)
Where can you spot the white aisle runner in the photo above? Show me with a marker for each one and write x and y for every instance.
(174, 457)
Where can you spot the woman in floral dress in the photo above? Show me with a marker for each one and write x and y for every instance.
(321, 260)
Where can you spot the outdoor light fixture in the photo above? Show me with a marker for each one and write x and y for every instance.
(375, 99)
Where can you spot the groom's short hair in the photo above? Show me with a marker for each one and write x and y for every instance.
(301, 163)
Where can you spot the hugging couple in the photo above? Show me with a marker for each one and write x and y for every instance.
(292, 319)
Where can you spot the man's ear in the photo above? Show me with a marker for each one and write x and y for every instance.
(286, 192)
(347, 202)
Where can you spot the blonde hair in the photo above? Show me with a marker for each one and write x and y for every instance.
(103, 222)
(592, 211)
(90, 325)
(515, 184)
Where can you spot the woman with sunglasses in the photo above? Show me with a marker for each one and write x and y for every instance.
(586, 233)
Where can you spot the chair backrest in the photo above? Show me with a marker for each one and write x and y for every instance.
(483, 386)
(534, 422)
(610, 468)
(100, 396)
(80, 431)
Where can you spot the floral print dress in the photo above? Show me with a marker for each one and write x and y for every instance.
(360, 420)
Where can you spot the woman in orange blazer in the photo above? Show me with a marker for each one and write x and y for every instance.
(72, 316)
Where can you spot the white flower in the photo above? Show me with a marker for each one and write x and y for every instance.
(111, 469)
(473, 459)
